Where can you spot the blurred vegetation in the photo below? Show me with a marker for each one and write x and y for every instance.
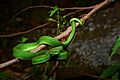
(113, 71)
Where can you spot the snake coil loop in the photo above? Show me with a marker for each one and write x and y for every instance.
(23, 50)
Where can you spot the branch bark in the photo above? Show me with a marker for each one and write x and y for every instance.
(64, 34)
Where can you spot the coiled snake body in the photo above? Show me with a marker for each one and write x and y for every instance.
(23, 50)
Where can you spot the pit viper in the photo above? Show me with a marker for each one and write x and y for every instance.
(23, 50)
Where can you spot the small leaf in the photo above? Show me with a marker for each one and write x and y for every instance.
(62, 9)
(24, 39)
(50, 19)
(52, 12)
(110, 71)
(115, 47)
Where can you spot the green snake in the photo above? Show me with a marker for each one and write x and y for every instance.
(23, 50)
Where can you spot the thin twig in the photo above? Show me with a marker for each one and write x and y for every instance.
(78, 8)
(87, 16)
(39, 6)
(90, 75)
(9, 63)
(56, 64)
(67, 32)
(24, 32)
(71, 13)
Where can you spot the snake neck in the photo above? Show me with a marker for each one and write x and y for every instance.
(70, 37)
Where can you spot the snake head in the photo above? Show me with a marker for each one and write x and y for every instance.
(55, 51)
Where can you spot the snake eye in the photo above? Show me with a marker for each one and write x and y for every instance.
(56, 52)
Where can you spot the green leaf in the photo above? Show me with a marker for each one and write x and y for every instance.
(62, 9)
(110, 71)
(115, 47)
(23, 40)
(52, 12)
(50, 19)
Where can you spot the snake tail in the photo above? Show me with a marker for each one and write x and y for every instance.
(73, 24)
(70, 37)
